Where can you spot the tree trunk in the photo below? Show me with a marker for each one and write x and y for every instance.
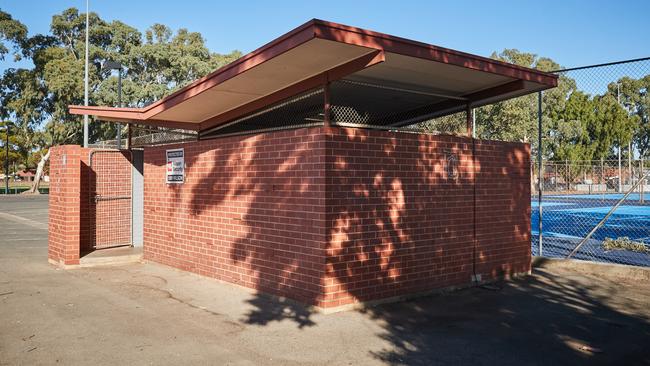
(39, 174)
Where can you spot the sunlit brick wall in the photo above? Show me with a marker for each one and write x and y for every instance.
(64, 226)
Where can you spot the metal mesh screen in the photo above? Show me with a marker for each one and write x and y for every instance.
(361, 104)
(450, 124)
(110, 198)
(147, 136)
(300, 111)
(353, 104)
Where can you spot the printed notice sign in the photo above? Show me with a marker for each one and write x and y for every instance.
(175, 166)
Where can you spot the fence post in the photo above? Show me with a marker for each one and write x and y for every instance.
(540, 173)
(641, 173)
(566, 174)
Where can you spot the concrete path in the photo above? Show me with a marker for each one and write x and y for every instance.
(147, 314)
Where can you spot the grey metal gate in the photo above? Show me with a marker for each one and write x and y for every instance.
(110, 201)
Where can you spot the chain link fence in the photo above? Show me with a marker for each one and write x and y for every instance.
(599, 207)
(595, 209)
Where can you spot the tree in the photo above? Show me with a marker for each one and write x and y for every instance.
(14, 154)
(634, 96)
(12, 34)
(155, 64)
(516, 119)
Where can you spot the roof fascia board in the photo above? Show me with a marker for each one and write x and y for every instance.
(406, 47)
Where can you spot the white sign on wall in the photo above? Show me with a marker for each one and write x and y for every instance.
(175, 166)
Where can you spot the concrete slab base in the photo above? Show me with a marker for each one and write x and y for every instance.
(111, 256)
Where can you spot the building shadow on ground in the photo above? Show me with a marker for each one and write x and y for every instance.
(544, 319)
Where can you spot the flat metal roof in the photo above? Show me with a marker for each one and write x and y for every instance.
(318, 52)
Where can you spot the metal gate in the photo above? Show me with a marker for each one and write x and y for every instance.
(111, 208)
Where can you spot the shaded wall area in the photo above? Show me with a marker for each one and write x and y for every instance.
(407, 213)
(251, 211)
(333, 216)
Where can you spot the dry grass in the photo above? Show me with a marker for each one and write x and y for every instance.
(624, 243)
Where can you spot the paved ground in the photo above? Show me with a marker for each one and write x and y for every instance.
(149, 314)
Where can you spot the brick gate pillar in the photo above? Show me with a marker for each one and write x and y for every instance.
(65, 204)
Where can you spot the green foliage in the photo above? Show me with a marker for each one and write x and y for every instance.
(15, 156)
(155, 64)
(12, 32)
(576, 126)
(516, 119)
(635, 96)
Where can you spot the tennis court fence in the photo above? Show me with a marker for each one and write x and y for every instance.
(595, 145)
(592, 210)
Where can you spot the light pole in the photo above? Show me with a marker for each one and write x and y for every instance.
(7, 159)
(86, 78)
(112, 65)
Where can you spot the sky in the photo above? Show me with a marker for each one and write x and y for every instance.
(573, 33)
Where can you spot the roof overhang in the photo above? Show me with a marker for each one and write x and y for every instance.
(318, 52)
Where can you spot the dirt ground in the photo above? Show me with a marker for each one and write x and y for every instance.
(148, 314)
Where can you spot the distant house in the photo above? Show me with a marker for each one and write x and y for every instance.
(26, 175)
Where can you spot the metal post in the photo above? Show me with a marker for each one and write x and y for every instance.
(602, 177)
(473, 123)
(642, 189)
(119, 104)
(86, 79)
(327, 105)
(540, 172)
(566, 174)
(620, 170)
(469, 121)
(629, 162)
(7, 160)
(129, 136)
(604, 219)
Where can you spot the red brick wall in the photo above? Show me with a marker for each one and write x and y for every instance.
(335, 216)
(326, 216)
(73, 221)
(398, 224)
(65, 208)
(251, 211)
(503, 208)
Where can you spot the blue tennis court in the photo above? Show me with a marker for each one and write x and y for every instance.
(569, 218)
